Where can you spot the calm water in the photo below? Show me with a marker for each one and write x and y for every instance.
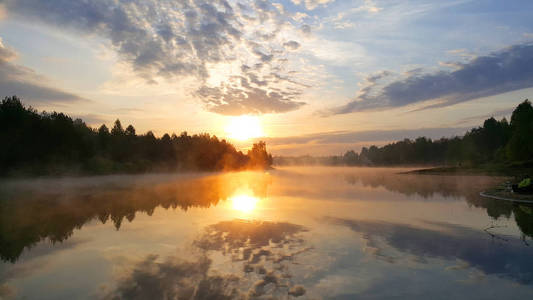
(303, 233)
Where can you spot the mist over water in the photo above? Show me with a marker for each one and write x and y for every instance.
(293, 232)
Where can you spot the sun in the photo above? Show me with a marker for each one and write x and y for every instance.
(244, 127)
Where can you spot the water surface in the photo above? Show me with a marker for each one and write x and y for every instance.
(302, 233)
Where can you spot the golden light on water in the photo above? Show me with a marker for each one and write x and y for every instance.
(244, 127)
(244, 203)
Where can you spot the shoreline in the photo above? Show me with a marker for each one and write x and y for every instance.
(505, 170)
(486, 194)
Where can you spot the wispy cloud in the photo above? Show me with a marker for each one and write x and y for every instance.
(24, 82)
(312, 4)
(350, 137)
(495, 114)
(503, 71)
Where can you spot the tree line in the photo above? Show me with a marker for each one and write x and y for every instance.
(494, 142)
(53, 143)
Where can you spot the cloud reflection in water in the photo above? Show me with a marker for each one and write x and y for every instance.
(507, 258)
(265, 251)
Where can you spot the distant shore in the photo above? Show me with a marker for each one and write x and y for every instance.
(501, 192)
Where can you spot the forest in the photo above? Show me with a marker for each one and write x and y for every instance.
(45, 143)
(494, 142)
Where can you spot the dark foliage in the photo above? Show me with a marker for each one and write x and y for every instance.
(53, 143)
(495, 141)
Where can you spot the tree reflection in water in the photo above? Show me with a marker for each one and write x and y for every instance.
(466, 187)
(52, 209)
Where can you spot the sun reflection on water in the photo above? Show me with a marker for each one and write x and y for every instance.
(244, 202)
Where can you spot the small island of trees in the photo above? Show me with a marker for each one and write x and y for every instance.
(54, 144)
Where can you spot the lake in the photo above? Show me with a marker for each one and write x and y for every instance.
(290, 233)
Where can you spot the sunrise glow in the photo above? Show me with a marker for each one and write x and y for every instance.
(244, 128)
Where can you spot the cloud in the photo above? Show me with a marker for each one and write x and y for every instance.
(6, 54)
(243, 98)
(152, 41)
(503, 71)
(169, 40)
(462, 53)
(312, 4)
(299, 16)
(501, 113)
(305, 29)
(25, 83)
(349, 137)
(370, 6)
(292, 45)
(236, 234)
(175, 279)
(297, 291)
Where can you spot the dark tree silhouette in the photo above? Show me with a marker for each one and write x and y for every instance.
(259, 157)
(52, 143)
(520, 145)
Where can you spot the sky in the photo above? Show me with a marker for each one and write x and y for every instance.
(320, 76)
